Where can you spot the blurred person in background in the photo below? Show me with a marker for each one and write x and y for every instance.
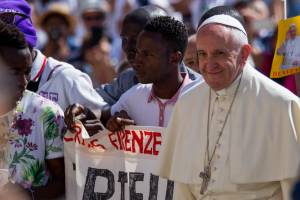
(259, 26)
(92, 17)
(95, 56)
(59, 25)
(93, 13)
(190, 56)
(118, 10)
(183, 7)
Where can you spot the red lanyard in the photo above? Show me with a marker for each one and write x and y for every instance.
(41, 70)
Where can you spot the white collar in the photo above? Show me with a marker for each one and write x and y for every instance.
(37, 64)
(229, 91)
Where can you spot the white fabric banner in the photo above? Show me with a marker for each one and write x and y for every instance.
(115, 165)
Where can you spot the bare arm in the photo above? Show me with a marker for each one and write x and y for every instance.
(54, 188)
(56, 183)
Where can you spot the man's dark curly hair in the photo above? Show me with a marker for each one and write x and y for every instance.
(11, 36)
(173, 31)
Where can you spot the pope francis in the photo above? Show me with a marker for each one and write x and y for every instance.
(235, 136)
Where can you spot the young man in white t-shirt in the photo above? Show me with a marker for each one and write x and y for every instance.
(132, 25)
(160, 50)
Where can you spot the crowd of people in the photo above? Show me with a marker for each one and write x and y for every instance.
(196, 68)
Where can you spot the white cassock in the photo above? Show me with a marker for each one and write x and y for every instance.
(258, 154)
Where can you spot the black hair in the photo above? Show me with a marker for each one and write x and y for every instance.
(143, 14)
(219, 10)
(11, 36)
(172, 31)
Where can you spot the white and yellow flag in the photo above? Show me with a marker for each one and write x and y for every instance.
(286, 59)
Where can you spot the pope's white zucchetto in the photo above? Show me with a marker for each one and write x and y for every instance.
(226, 20)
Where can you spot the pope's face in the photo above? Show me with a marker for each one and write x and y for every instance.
(218, 56)
(15, 66)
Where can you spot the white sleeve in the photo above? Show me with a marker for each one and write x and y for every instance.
(82, 92)
(122, 104)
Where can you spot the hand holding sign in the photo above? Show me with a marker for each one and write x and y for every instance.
(115, 165)
(89, 120)
(119, 121)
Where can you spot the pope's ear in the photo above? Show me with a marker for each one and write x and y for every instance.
(245, 53)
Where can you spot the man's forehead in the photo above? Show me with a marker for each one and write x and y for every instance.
(131, 28)
(147, 36)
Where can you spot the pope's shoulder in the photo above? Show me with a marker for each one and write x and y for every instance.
(255, 84)
(264, 86)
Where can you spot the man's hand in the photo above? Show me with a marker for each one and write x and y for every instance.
(89, 120)
(119, 121)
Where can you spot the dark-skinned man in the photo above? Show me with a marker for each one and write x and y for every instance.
(132, 25)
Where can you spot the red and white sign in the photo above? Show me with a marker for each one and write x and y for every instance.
(115, 165)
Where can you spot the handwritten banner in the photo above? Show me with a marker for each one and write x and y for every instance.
(115, 165)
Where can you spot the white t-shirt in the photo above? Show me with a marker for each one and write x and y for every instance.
(146, 109)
